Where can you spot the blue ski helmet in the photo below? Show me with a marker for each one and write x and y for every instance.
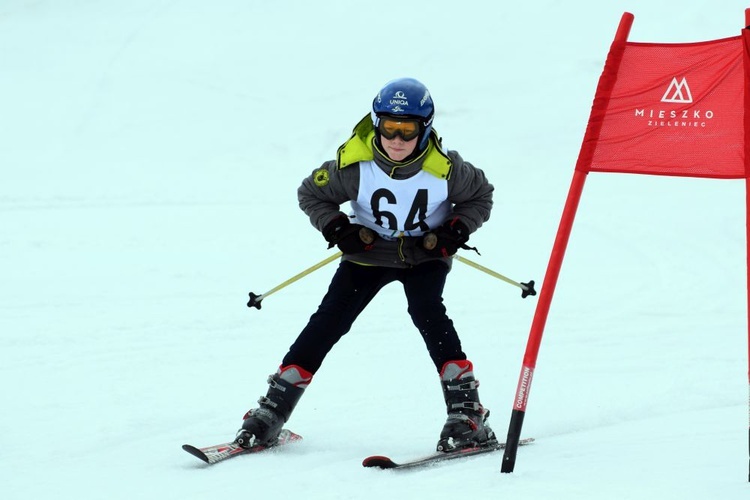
(407, 98)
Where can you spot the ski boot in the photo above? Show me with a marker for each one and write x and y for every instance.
(262, 425)
(467, 418)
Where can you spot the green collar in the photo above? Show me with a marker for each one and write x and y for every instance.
(359, 148)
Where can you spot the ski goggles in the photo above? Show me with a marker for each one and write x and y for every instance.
(391, 127)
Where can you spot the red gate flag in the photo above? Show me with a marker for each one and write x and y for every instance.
(663, 109)
(674, 109)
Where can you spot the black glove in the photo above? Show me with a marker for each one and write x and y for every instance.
(350, 238)
(447, 239)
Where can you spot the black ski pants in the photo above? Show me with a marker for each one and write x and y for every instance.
(351, 290)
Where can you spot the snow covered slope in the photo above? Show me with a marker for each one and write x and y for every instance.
(150, 153)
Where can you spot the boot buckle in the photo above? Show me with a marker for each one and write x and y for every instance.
(467, 405)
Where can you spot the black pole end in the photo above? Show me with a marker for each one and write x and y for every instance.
(528, 290)
(512, 441)
(254, 300)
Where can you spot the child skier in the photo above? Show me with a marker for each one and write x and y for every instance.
(413, 205)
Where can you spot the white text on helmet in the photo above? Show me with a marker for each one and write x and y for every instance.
(399, 98)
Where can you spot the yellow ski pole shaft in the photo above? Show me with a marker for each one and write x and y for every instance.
(256, 299)
(526, 288)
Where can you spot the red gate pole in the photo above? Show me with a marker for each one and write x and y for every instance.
(601, 100)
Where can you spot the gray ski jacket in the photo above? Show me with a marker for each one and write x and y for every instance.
(338, 181)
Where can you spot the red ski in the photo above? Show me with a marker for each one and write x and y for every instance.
(220, 452)
(382, 462)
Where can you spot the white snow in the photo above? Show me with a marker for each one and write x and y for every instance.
(150, 153)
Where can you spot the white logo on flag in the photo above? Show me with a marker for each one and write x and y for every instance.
(678, 92)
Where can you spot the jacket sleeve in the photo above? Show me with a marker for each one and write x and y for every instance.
(324, 191)
(470, 192)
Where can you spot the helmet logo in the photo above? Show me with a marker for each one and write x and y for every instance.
(426, 96)
(399, 98)
(397, 108)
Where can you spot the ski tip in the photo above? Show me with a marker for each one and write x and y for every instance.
(195, 452)
(379, 461)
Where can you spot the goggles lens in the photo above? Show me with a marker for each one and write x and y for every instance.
(391, 127)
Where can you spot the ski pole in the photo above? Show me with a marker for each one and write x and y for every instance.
(255, 299)
(526, 288)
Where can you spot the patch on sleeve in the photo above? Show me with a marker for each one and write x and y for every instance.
(320, 177)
